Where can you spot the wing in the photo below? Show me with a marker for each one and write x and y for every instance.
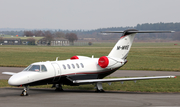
(119, 79)
(8, 73)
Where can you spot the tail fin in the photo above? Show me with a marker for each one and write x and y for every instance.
(122, 47)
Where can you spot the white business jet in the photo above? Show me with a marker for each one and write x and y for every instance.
(80, 70)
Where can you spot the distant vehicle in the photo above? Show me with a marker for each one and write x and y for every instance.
(80, 70)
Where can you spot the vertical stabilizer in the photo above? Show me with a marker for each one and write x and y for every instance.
(122, 47)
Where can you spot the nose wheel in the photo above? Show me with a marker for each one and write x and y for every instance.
(24, 92)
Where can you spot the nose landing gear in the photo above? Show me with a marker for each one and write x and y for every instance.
(24, 92)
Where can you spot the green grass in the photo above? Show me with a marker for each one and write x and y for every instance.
(142, 56)
(156, 85)
(23, 38)
(161, 59)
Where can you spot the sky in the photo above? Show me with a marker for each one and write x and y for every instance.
(86, 14)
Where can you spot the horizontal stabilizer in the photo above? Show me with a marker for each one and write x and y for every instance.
(138, 31)
(119, 79)
(8, 73)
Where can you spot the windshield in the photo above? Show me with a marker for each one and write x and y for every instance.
(27, 68)
(36, 68)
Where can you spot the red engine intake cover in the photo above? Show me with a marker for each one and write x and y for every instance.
(103, 62)
(74, 57)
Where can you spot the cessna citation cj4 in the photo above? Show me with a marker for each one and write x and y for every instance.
(80, 70)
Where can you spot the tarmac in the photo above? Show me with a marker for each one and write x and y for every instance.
(82, 98)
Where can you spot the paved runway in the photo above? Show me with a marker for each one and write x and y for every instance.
(9, 97)
(80, 98)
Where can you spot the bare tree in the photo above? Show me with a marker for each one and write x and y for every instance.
(90, 43)
(48, 37)
(28, 33)
(38, 33)
(1, 39)
(71, 37)
(60, 35)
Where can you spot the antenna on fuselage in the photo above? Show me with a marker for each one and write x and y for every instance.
(57, 58)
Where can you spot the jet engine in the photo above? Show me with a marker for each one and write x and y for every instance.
(108, 62)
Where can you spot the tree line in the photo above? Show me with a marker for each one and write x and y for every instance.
(146, 26)
(98, 36)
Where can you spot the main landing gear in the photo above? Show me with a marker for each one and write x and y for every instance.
(24, 92)
(99, 87)
(58, 87)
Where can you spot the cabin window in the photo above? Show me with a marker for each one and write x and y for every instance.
(43, 68)
(35, 68)
(68, 66)
(82, 65)
(77, 65)
(64, 66)
(73, 65)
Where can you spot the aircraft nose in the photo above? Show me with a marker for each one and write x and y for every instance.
(14, 81)
(18, 79)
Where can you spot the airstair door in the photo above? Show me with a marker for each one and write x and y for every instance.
(57, 72)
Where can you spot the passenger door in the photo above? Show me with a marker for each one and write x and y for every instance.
(57, 72)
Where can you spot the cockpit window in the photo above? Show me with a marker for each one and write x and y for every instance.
(27, 68)
(43, 68)
(35, 68)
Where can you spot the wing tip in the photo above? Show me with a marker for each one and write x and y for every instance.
(8, 73)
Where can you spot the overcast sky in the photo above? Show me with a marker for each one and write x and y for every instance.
(86, 14)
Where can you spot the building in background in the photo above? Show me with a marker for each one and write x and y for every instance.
(11, 41)
(40, 42)
(54, 42)
(59, 42)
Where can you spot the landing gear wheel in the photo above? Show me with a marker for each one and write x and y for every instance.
(99, 87)
(24, 93)
(58, 87)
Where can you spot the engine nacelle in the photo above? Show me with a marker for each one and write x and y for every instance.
(108, 62)
(79, 57)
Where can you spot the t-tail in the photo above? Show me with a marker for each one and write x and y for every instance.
(123, 46)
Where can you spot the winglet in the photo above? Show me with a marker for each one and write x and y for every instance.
(172, 76)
